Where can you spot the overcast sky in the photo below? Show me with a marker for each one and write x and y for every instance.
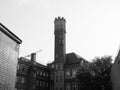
(93, 26)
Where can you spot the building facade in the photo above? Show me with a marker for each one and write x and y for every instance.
(32, 75)
(65, 66)
(9, 51)
(58, 75)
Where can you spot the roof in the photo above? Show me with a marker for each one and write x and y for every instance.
(10, 34)
(27, 61)
(72, 58)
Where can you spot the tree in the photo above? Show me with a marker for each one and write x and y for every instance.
(95, 75)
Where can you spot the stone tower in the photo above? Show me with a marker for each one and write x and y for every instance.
(60, 50)
(60, 44)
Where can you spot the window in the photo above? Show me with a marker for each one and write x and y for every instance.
(56, 78)
(61, 42)
(52, 75)
(18, 66)
(34, 75)
(40, 83)
(60, 78)
(47, 84)
(44, 74)
(56, 88)
(52, 66)
(56, 66)
(43, 83)
(34, 87)
(60, 88)
(60, 36)
(67, 73)
(23, 68)
(37, 82)
(61, 66)
(37, 72)
(70, 73)
(41, 73)
(16, 79)
(73, 72)
(22, 80)
(74, 86)
(56, 55)
(68, 86)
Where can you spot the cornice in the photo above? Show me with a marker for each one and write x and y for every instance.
(10, 34)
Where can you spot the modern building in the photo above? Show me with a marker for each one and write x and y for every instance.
(9, 51)
(32, 75)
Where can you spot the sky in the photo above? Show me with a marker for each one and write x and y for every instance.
(93, 26)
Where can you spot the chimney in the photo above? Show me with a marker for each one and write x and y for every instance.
(33, 57)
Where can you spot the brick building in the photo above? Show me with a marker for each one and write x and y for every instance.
(32, 75)
(64, 66)
(58, 75)
(9, 51)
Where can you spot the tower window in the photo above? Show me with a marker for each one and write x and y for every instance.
(61, 42)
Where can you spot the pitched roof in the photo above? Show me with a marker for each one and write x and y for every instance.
(72, 58)
(28, 61)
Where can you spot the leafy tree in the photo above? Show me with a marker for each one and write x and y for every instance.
(95, 75)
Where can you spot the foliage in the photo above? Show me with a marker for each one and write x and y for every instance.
(95, 75)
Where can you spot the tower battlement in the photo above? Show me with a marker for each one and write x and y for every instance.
(59, 19)
(60, 23)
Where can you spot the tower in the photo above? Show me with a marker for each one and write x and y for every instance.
(60, 43)
(60, 51)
